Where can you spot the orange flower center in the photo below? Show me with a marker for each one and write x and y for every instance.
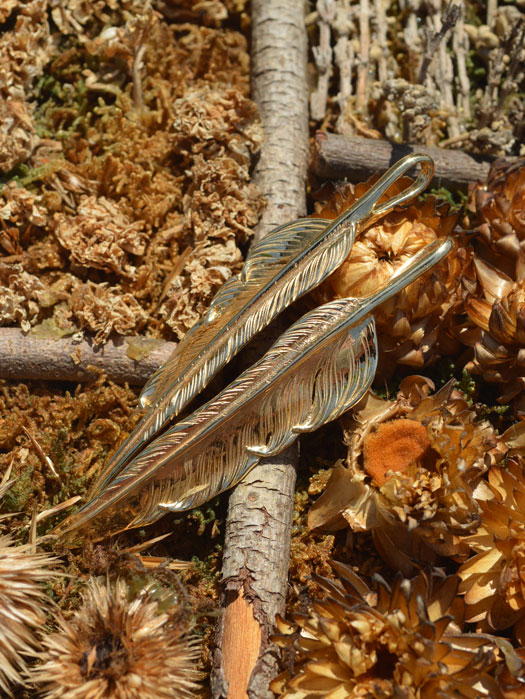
(393, 446)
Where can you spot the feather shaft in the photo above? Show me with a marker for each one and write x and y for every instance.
(315, 371)
(285, 265)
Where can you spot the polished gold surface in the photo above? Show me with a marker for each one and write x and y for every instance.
(315, 371)
(286, 264)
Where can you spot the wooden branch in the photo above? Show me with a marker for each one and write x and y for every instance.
(26, 356)
(258, 528)
(363, 68)
(337, 157)
(279, 46)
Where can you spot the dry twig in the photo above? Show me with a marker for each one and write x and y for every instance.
(357, 158)
(323, 58)
(256, 552)
(364, 56)
(26, 356)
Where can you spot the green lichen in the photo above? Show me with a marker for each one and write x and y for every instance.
(141, 347)
(49, 330)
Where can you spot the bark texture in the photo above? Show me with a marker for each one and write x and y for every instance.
(258, 529)
(337, 157)
(30, 357)
(279, 89)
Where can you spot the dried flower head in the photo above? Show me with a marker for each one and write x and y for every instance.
(102, 310)
(410, 324)
(23, 296)
(22, 608)
(498, 207)
(410, 473)
(21, 207)
(24, 51)
(399, 641)
(494, 302)
(120, 649)
(497, 336)
(493, 579)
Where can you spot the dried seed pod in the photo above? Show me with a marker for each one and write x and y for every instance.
(116, 648)
(22, 608)
(411, 469)
(412, 325)
(405, 640)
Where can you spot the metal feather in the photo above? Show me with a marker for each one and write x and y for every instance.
(315, 371)
(287, 263)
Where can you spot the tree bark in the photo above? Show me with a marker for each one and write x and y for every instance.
(279, 89)
(26, 356)
(337, 157)
(258, 528)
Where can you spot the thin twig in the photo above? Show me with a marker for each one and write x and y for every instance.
(323, 58)
(492, 8)
(364, 56)
(26, 356)
(443, 67)
(434, 39)
(260, 513)
(411, 35)
(382, 27)
(344, 59)
(460, 47)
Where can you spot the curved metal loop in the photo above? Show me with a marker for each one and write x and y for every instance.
(409, 271)
(367, 207)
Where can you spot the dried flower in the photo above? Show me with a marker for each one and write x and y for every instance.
(411, 325)
(409, 477)
(399, 641)
(499, 207)
(495, 304)
(493, 579)
(102, 310)
(23, 296)
(394, 446)
(21, 207)
(22, 608)
(120, 649)
(24, 51)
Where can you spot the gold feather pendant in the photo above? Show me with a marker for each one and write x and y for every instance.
(314, 372)
(286, 264)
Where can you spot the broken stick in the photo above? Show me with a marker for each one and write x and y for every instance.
(337, 157)
(27, 356)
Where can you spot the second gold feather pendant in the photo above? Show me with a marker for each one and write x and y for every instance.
(315, 371)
